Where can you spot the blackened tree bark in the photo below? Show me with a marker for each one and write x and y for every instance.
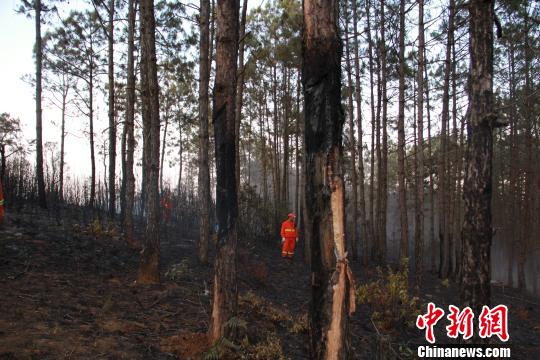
(204, 170)
(129, 124)
(39, 122)
(112, 120)
(225, 292)
(419, 216)
(332, 289)
(149, 262)
(373, 126)
(404, 248)
(477, 187)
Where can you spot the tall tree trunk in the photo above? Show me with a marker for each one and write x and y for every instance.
(149, 262)
(419, 216)
(240, 89)
(383, 175)
(62, 142)
(373, 126)
(443, 158)
(514, 170)
(352, 139)
(112, 122)
(286, 105)
(358, 100)
(39, 122)
(431, 181)
(477, 230)
(204, 170)
(404, 244)
(130, 124)
(164, 145)
(225, 292)
(332, 288)
(92, 144)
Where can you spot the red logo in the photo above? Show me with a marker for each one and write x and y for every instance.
(429, 320)
(490, 322)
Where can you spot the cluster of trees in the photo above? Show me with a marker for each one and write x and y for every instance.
(326, 109)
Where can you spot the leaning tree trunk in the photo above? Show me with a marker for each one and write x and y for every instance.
(112, 123)
(204, 170)
(404, 244)
(149, 262)
(477, 187)
(130, 123)
(39, 122)
(332, 289)
(225, 292)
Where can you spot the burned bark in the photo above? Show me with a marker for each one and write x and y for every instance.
(225, 292)
(332, 295)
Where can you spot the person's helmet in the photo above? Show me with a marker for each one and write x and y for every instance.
(291, 215)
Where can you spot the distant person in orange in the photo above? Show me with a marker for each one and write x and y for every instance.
(288, 237)
(1, 204)
(167, 206)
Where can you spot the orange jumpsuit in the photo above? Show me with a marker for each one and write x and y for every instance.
(288, 231)
(167, 208)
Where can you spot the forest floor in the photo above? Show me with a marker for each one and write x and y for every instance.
(68, 291)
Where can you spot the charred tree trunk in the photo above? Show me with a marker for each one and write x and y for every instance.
(149, 262)
(373, 126)
(92, 144)
(39, 122)
(204, 169)
(332, 288)
(62, 143)
(477, 230)
(112, 122)
(130, 124)
(404, 248)
(225, 292)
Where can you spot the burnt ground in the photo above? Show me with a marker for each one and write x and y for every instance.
(68, 290)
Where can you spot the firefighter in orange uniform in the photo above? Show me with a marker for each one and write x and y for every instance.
(288, 237)
(1, 204)
(167, 206)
